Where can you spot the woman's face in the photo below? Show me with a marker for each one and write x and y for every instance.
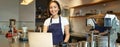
(53, 8)
(100, 21)
(12, 22)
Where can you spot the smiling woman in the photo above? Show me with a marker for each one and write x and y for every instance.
(56, 24)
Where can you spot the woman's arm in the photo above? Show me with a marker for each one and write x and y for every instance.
(46, 25)
(104, 33)
(67, 34)
(45, 29)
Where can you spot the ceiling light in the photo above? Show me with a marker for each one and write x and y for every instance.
(26, 2)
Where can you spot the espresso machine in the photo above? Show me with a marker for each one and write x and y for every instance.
(108, 25)
(24, 36)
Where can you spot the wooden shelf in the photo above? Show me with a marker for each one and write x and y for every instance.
(76, 16)
(90, 16)
(96, 16)
(100, 2)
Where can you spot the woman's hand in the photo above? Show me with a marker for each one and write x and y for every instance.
(45, 29)
(96, 31)
(103, 33)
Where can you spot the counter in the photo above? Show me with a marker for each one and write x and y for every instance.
(76, 37)
(8, 42)
(19, 44)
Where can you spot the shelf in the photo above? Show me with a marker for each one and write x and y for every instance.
(89, 16)
(89, 4)
(76, 16)
(96, 16)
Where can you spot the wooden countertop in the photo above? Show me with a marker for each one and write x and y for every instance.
(19, 44)
(8, 42)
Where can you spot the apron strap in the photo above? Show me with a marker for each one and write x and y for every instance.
(93, 21)
(60, 20)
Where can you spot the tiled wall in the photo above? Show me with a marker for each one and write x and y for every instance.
(9, 9)
(13, 10)
(27, 16)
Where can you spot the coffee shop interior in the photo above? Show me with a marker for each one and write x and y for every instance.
(18, 18)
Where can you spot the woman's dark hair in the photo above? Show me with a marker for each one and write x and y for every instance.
(59, 12)
(109, 12)
(12, 20)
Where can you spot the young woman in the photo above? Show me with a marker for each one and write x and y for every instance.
(114, 28)
(56, 24)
